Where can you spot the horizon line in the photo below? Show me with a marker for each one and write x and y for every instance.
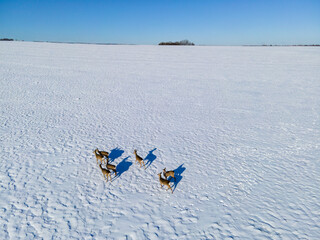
(135, 44)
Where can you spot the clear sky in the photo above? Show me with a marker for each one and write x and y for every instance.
(210, 22)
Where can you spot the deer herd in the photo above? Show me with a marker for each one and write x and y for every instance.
(103, 157)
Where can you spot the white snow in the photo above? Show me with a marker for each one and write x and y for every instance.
(240, 124)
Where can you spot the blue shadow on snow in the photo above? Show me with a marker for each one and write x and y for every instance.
(115, 153)
(150, 158)
(177, 174)
(122, 167)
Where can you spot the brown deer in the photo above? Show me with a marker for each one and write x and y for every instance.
(139, 159)
(111, 167)
(164, 182)
(167, 174)
(98, 156)
(105, 172)
(104, 154)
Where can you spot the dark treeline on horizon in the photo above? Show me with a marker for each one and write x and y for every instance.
(6, 39)
(183, 42)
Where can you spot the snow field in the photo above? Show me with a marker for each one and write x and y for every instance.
(240, 124)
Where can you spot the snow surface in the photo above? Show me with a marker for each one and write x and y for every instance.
(240, 125)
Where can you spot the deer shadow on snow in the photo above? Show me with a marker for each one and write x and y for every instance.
(177, 173)
(122, 167)
(115, 153)
(150, 158)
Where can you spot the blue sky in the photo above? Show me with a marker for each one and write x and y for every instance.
(215, 22)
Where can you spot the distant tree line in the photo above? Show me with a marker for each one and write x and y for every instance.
(6, 39)
(183, 42)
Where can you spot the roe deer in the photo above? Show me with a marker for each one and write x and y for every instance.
(139, 159)
(111, 167)
(167, 174)
(105, 172)
(98, 156)
(104, 154)
(164, 182)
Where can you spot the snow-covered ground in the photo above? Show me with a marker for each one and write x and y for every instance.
(240, 125)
